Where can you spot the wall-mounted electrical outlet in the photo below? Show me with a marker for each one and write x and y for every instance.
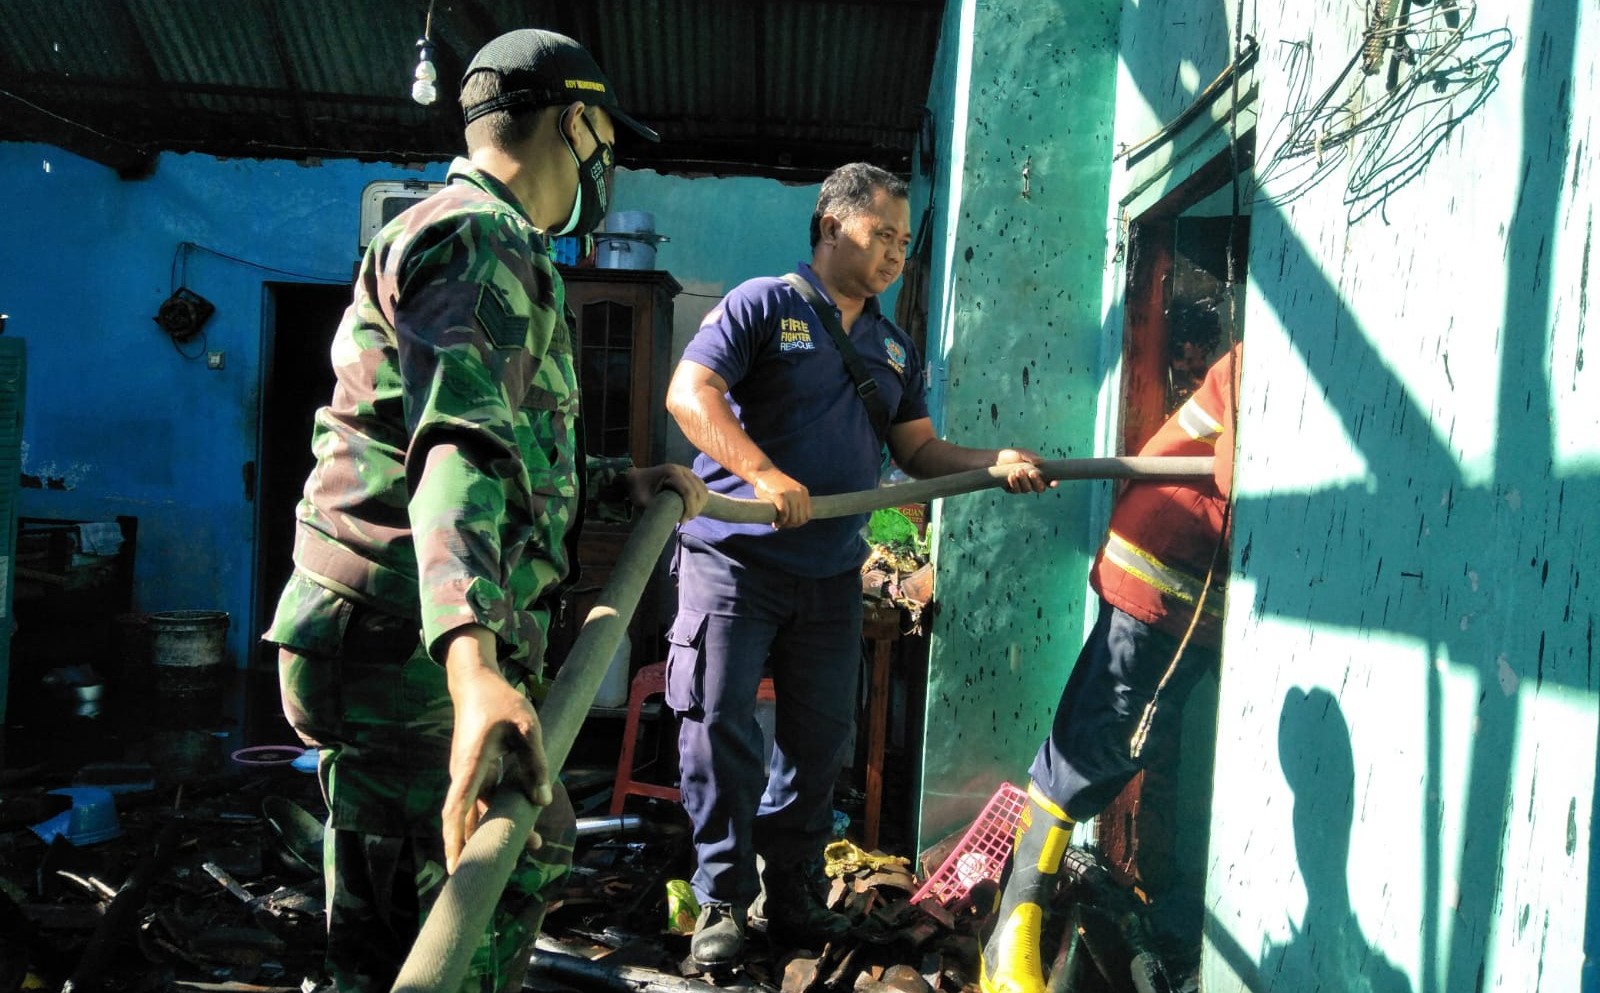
(216, 360)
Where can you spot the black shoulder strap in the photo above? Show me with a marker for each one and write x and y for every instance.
(866, 386)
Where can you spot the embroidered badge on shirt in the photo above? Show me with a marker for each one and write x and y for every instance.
(895, 353)
(504, 328)
(795, 335)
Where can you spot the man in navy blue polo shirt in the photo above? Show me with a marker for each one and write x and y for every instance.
(764, 393)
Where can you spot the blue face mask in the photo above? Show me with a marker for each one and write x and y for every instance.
(593, 197)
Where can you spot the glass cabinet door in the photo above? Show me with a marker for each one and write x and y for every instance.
(606, 375)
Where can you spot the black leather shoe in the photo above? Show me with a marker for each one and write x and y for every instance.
(718, 935)
(796, 916)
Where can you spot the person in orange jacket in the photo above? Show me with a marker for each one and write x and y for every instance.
(1160, 577)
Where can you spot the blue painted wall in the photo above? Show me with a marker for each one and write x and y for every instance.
(116, 417)
(120, 423)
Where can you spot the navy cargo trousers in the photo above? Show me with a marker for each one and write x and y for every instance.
(736, 621)
(1086, 760)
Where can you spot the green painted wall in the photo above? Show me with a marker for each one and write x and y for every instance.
(1405, 769)
(1407, 758)
(1407, 743)
(1014, 341)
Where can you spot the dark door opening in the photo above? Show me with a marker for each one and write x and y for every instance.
(297, 378)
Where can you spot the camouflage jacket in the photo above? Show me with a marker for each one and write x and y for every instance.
(447, 482)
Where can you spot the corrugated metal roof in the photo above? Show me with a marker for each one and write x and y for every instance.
(787, 89)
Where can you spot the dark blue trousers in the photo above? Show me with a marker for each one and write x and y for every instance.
(1086, 760)
(735, 621)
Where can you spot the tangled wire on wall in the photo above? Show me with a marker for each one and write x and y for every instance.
(1438, 74)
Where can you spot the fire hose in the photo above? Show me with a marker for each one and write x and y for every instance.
(438, 959)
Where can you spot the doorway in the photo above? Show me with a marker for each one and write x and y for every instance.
(1183, 310)
(299, 320)
(1186, 263)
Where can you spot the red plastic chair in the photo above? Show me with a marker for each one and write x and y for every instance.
(648, 682)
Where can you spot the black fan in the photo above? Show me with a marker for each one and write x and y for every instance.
(182, 314)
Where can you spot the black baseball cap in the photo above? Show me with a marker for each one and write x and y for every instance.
(542, 69)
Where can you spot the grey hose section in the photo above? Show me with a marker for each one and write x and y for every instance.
(438, 959)
(1153, 467)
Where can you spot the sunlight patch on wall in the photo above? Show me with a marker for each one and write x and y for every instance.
(1452, 380)
(1574, 366)
(1539, 944)
(1325, 764)
(1133, 105)
(1291, 441)
(1189, 76)
(1458, 690)
(955, 165)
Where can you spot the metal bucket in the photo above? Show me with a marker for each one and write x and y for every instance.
(186, 650)
(628, 242)
(623, 251)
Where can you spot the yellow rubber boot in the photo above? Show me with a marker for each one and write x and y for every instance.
(1010, 961)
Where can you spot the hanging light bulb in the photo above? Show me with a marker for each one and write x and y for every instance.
(423, 90)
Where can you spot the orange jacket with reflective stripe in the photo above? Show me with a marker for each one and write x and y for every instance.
(1165, 535)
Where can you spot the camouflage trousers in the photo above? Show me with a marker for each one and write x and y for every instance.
(380, 889)
(357, 684)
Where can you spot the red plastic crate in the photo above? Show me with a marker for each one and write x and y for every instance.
(982, 852)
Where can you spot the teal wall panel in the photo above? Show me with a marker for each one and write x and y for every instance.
(1022, 110)
(723, 232)
(1405, 766)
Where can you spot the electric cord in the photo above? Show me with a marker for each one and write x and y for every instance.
(180, 259)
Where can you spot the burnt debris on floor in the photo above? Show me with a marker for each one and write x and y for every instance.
(642, 943)
(142, 885)
(130, 882)
(138, 884)
(145, 846)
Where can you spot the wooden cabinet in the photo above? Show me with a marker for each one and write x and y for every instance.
(624, 344)
(623, 349)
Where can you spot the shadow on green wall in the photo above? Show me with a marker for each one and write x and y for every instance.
(1408, 573)
(1398, 561)
(1327, 951)
(1591, 935)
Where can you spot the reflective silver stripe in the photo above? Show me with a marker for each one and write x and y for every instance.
(1199, 425)
(1137, 562)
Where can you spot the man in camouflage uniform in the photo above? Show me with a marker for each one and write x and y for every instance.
(440, 521)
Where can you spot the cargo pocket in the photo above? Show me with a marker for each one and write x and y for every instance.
(310, 628)
(686, 664)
